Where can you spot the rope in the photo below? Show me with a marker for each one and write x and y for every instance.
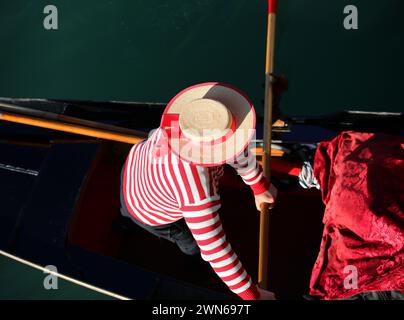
(80, 283)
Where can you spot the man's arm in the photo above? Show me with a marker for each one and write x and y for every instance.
(199, 204)
(250, 171)
(206, 227)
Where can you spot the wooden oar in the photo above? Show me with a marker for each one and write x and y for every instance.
(54, 121)
(264, 217)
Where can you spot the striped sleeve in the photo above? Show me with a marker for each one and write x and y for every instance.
(202, 218)
(250, 171)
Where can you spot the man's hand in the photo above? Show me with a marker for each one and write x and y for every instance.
(266, 295)
(268, 196)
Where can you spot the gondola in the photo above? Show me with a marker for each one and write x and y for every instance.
(60, 203)
(60, 161)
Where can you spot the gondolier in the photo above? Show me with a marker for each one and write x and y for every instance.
(170, 181)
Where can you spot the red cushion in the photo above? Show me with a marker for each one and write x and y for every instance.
(362, 181)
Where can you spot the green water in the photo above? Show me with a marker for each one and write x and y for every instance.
(18, 281)
(149, 50)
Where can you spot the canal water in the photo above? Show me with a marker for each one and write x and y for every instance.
(141, 50)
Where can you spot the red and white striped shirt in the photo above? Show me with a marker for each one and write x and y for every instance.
(160, 188)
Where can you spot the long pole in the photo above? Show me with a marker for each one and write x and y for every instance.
(264, 217)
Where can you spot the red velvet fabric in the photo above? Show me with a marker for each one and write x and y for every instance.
(362, 182)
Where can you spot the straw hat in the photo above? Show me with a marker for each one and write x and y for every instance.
(209, 124)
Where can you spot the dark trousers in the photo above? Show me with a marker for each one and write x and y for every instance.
(177, 232)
